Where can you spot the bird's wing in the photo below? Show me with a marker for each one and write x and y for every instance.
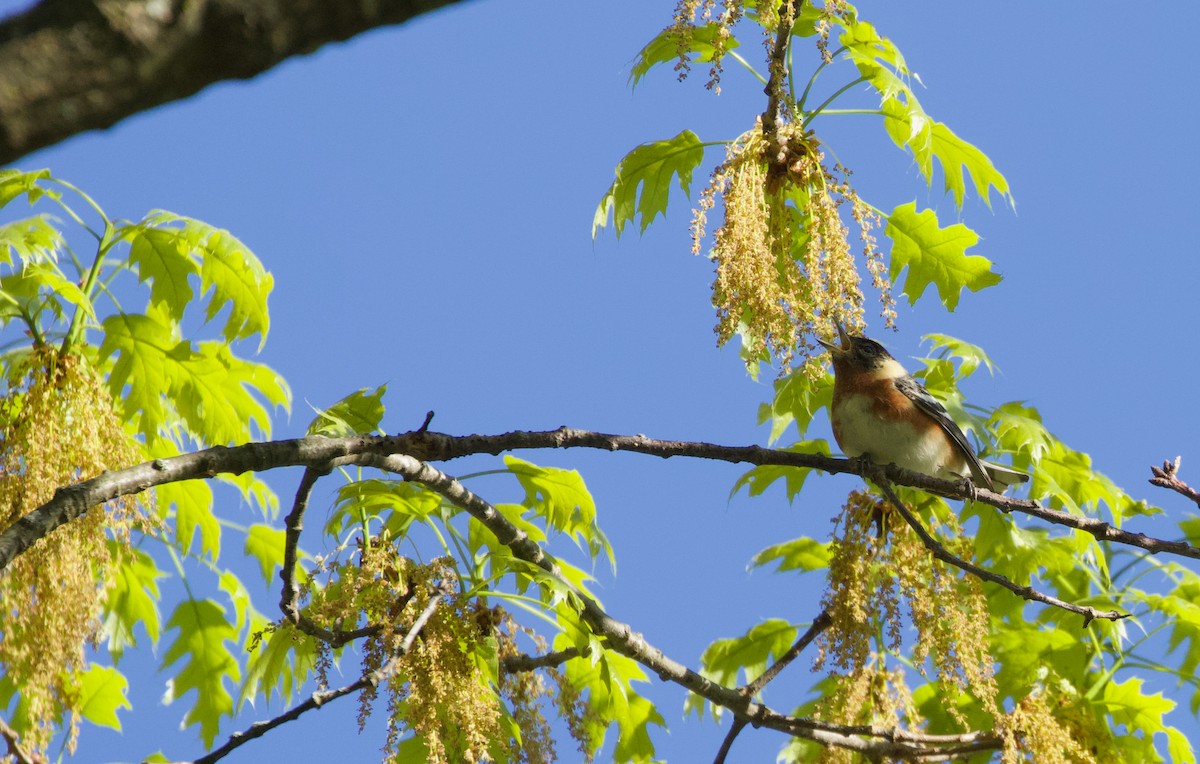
(917, 393)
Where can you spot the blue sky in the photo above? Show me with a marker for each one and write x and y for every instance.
(423, 196)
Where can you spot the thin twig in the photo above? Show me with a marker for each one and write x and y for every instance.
(1026, 592)
(13, 742)
(750, 689)
(1167, 477)
(735, 729)
(290, 592)
(819, 624)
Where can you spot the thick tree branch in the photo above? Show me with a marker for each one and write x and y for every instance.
(69, 66)
(1025, 592)
(71, 502)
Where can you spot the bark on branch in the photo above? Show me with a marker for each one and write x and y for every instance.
(68, 66)
(72, 501)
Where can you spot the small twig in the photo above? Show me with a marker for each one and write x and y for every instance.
(320, 698)
(425, 425)
(290, 592)
(1167, 477)
(940, 552)
(13, 742)
(819, 624)
(750, 689)
(735, 729)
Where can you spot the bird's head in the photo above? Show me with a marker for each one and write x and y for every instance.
(859, 354)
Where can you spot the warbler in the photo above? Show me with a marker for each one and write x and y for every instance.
(881, 412)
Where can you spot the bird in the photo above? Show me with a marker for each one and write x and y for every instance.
(881, 412)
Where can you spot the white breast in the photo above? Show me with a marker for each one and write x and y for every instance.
(888, 442)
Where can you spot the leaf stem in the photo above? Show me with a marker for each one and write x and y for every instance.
(809, 117)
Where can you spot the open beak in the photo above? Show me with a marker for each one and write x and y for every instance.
(843, 336)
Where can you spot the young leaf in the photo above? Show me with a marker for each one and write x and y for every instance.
(167, 242)
(210, 388)
(14, 183)
(698, 45)
(265, 544)
(561, 497)
(908, 125)
(162, 258)
(193, 513)
(102, 692)
(281, 664)
(803, 554)
(132, 599)
(935, 255)
(207, 663)
(643, 181)
(760, 478)
(359, 413)
(797, 400)
(32, 240)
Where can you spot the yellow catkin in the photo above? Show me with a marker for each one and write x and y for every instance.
(59, 427)
(785, 272)
(439, 691)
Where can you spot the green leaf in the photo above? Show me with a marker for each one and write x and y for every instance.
(633, 730)
(14, 183)
(102, 692)
(970, 357)
(760, 478)
(214, 392)
(804, 554)
(797, 400)
(935, 255)
(162, 257)
(665, 47)
(561, 498)
(207, 664)
(1128, 705)
(1019, 430)
(255, 492)
(32, 240)
(643, 181)
(282, 662)
(749, 654)
(399, 503)
(1179, 748)
(193, 513)
(908, 125)
(265, 544)
(359, 413)
(230, 274)
(133, 597)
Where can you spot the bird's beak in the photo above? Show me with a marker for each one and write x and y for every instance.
(843, 336)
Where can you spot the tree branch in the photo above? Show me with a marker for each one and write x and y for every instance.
(12, 742)
(624, 640)
(1026, 592)
(514, 664)
(72, 501)
(69, 66)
